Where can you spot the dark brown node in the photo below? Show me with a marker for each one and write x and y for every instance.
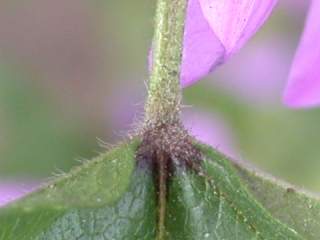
(290, 190)
(163, 148)
(170, 140)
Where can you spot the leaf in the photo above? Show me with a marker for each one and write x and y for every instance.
(106, 198)
(215, 205)
(114, 197)
(297, 209)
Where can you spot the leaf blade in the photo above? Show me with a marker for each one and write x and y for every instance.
(296, 208)
(215, 205)
(103, 213)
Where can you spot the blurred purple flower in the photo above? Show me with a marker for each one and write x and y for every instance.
(257, 74)
(303, 89)
(212, 130)
(215, 30)
(12, 190)
(295, 8)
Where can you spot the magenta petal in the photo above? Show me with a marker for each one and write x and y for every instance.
(248, 76)
(11, 191)
(215, 29)
(234, 21)
(212, 130)
(202, 49)
(303, 89)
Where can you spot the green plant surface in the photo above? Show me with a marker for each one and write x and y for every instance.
(114, 197)
(106, 198)
(299, 210)
(292, 155)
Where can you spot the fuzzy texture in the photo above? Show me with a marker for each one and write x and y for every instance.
(164, 93)
(303, 89)
(165, 147)
(172, 140)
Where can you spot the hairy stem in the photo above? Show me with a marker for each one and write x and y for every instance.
(164, 94)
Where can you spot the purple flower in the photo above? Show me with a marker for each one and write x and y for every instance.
(211, 129)
(257, 74)
(303, 89)
(12, 190)
(215, 30)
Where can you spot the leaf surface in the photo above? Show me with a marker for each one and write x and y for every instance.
(114, 197)
(106, 198)
(298, 209)
(216, 205)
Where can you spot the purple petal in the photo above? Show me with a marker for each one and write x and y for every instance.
(215, 30)
(234, 22)
(202, 49)
(212, 130)
(247, 76)
(296, 8)
(303, 89)
(11, 191)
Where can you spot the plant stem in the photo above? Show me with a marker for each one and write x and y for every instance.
(164, 94)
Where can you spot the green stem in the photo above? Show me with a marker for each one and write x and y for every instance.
(164, 93)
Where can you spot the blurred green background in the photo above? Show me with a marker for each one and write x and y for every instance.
(74, 71)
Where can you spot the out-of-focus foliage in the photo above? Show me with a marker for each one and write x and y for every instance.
(66, 74)
(37, 137)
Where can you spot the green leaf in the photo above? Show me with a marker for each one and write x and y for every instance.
(114, 197)
(215, 205)
(296, 208)
(106, 198)
(299, 210)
